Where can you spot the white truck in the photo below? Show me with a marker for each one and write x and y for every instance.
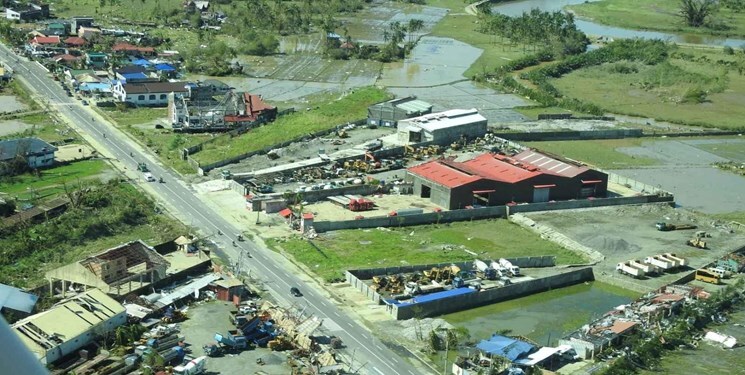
(681, 261)
(628, 269)
(511, 269)
(647, 268)
(485, 270)
(664, 264)
(193, 367)
(148, 177)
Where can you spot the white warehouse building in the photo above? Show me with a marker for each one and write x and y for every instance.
(442, 127)
(67, 327)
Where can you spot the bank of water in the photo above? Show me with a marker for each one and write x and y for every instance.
(543, 317)
(516, 8)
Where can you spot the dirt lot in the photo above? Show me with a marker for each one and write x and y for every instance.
(205, 319)
(384, 204)
(684, 169)
(495, 106)
(9, 103)
(628, 232)
(309, 149)
(8, 127)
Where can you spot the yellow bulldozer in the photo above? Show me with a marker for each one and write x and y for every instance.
(697, 242)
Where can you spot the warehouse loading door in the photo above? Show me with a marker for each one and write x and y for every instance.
(541, 193)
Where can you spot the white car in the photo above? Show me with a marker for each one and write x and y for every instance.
(149, 177)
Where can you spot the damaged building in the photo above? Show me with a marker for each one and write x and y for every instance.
(493, 179)
(214, 107)
(124, 269)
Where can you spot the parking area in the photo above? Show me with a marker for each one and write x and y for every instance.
(208, 318)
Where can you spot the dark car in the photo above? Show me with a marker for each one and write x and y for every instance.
(295, 292)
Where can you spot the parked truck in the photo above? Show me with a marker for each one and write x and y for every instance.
(628, 269)
(233, 340)
(666, 227)
(662, 263)
(193, 367)
(682, 262)
(509, 267)
(647, 268)
(485, 270)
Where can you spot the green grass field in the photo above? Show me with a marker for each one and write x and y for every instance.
(660, 15)
(659, 91)
(51, 182)
(351, 107)
(349, 249)
(138, 116)
(600, 153)
(136, 10)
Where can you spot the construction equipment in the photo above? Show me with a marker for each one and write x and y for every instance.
(374, 145)
(707, 277)
(628, 269)
(360, 204)
(342, 133)
(193, 367)
(647, 268)
(697, 243)
(234, 340)
(484, 270)
(212, 350)
(702, 234)
(665, 227)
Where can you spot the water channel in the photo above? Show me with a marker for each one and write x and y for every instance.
(516, 8)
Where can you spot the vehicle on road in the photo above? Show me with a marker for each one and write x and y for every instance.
(85, 102)
(295, 292)
(148, 177)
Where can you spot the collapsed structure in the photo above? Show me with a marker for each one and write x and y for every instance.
(124, 269)
(211, 107)
(494, 179)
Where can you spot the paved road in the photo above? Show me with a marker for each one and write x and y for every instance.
(380, 359)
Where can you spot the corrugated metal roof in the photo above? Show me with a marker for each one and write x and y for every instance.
(414, 106)
(504, 346)
(442, 174)
(187, 289)
(446, 119)
(549, 164)
(500, 168)
(16, 299)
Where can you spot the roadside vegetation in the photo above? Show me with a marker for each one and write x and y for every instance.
(101, 216)
(722, 17)
(49, 183)
(325, 116)
(600, 153)
(339, 251)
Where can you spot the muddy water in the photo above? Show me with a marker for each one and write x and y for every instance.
(543, 317)
(516, 8)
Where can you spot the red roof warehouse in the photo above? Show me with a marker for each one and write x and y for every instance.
(494, 179)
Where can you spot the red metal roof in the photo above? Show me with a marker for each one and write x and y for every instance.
(443, 174)
(285, 212)
(500, 168)
(550, 164)
(307, 216)
(591, 181)
(123, 46)
(66, 57)
(75, 41)
(46, 40)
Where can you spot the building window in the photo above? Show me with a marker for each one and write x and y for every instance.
(141, 97)
(162, 96)
(152, 97)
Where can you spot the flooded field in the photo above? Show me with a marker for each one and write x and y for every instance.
(543, 317)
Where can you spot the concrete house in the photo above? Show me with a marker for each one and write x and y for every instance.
(121, 270)
(390, 112)
(152, 94)
(442, 127)
(494, 179)
(36, 152)
(69, 326)
(27, 12)
(77, 22)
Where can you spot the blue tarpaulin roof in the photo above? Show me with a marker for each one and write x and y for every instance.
(164, 67)
(130, 76)
(444, 294)
(505, 347)
(141, 62)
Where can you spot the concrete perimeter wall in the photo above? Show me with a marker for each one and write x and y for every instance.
(356, 277)
(572, 135)
(482, 213)
(471, 300)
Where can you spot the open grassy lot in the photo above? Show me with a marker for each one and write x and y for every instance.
(660, 15)
(349, 108)
(349, 249)
(50, 182)
(694, 87)
(461, 26)
(109, 214)
(136, 10)
(600, 153)
(138, 116)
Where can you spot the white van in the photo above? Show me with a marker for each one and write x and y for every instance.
(149, 177)
(722, 273)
